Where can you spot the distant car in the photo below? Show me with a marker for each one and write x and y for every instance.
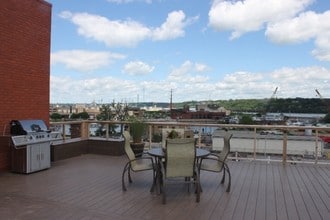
(273, 132)
(263, 132)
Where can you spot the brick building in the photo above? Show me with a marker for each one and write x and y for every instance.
(24, 65)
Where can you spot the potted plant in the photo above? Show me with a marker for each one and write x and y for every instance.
(173, 134)
(137, 128)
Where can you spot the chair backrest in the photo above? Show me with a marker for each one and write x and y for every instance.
(128, 150)
(226, 148)
(180, 157)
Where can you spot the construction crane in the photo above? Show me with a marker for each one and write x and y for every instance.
(319, 94)
(271, 98)
(274, 93)
(266, 108)
(327, 105)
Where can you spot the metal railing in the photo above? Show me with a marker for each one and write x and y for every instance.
(270, 143)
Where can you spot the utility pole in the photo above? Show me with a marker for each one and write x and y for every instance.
(171, 103)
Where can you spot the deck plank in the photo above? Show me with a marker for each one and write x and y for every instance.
(270, 194)
(313, 191)
(235, 194)
(281, 212)
(251, 205)
(244, 194)
(297, 194)
(89, 187)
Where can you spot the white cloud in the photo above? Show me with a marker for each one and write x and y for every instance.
(246, 77)
(292, 82)
(173, 27)
(200, 67)
(322, 51)
(138, 68)
(242, 85)
(84, 61)
(252, 15)
(114, 33)
(127, 33)
(87, 90)
(297, 27)
(285, 21)
(301, 82)
(303, 75)
(187, 72)
(307, 26)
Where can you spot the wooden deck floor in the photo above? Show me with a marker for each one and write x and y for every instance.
(89, 187)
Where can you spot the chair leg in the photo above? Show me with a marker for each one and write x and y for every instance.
(198, 195)
(164, 192)
(198, 187)
(188, 179)
(129, 175)
(123, 177)
(223, 175)
(154, 182)
(229, 182)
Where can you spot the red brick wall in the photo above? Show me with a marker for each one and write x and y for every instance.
(24, 63)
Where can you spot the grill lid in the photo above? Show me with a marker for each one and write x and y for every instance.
(23, 127)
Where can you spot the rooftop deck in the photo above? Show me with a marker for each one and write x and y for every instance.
(89, 187)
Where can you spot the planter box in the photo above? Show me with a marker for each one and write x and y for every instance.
(113, 148)
(64, 150)
(72, 148)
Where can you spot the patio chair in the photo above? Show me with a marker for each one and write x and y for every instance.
(217, 162)
(180, 165)
(136, 164)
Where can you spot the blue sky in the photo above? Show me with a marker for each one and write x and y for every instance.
(140, 50)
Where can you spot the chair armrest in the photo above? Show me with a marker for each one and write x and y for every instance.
(213, 158)
(210, 157)
(144, 158)
(213, 155)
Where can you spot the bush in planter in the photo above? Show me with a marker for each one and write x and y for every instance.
(137, 128)
(173, 134)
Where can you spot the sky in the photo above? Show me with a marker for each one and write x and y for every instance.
(197, 50)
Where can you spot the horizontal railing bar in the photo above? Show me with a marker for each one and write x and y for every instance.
(318, 131)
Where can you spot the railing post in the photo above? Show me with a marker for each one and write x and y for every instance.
(199, 137)
(150, 135)
(84, 130)
(107, 131)
(285, 145)
(316, 145)
(63, 131)
(255, 144)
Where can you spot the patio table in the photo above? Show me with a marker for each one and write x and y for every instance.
(159, 154)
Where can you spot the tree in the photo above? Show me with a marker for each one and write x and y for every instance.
(81, 115)
(55, 116)
(326, 118)
(105, 113)
(115, 112)
(246, 120)
(120, 111)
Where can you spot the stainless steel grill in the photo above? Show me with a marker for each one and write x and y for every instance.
(31, 145)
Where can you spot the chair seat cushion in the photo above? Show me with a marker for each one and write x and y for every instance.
(141, 165)
(211, 165)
